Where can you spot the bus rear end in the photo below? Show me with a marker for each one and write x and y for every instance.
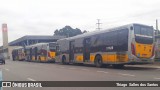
(52, 51)
(142, 44)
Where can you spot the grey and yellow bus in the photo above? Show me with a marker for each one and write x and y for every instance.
(18, 54)
(128, 44)
(42, 52)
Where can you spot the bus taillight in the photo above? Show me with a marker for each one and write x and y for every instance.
(133, 49)
(49, 54)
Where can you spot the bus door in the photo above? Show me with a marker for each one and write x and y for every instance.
(71, 51)
(30, 54)
(36, 51)
(86, 49)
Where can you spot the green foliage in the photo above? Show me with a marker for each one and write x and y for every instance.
(85, 31)
(68, 31)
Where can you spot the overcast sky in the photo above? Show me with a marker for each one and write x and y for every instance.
(42, 17)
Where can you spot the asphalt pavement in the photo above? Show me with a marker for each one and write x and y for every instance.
(32, 71)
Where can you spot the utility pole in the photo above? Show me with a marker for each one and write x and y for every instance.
(98, 24)
(157, 27)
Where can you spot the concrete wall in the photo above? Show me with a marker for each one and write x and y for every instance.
(7, 52)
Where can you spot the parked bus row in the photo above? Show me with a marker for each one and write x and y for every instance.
(128, 44)
(40, 52)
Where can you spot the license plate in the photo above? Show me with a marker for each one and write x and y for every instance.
(144, 54)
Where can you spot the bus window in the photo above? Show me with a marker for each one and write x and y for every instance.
(122, 40)
(57, 48)
(137, 30)
(143, 34)
(148, 31)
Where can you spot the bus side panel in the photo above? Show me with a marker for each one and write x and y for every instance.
(78, 50)
(64, 50)
(43, 58)
(104, 58)
(122, 58)
(79, 58)
(33, 58)
(115, 46)
(92, 58)
(122, 46)
(115, 58)
(111, 58)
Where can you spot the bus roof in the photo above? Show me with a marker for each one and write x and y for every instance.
(37, 44)
(102, 31)
(20, 47)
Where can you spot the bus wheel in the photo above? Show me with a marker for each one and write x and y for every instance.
(4, 62)
(63, 60)
(54, 61)
(118, 66)
(98, 61)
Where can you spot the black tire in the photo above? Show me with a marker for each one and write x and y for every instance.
(13, 58)
(98, 61)
(63, 60)
(118, 66)
(80, 64)
(54, 61)
(3, 62)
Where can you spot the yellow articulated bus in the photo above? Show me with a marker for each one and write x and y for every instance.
(128, 44)
(42, 52)
(18, 54)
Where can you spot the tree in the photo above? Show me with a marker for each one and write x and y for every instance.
(85, 31)
(56, 32)
(67, 31)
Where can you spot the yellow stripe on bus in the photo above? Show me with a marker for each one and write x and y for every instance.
(33, 58)
(106, 58)
(79, 58)
(92, 58)
(122, 58)
(115, 58)
(43, 58)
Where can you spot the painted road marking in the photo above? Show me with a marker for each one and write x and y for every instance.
(72, 68)
(156, 78)
(102, 71)
(61, 67)
(31, 79)
(6, 69)
(85, 69)
(150, 66)
(126, 74)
